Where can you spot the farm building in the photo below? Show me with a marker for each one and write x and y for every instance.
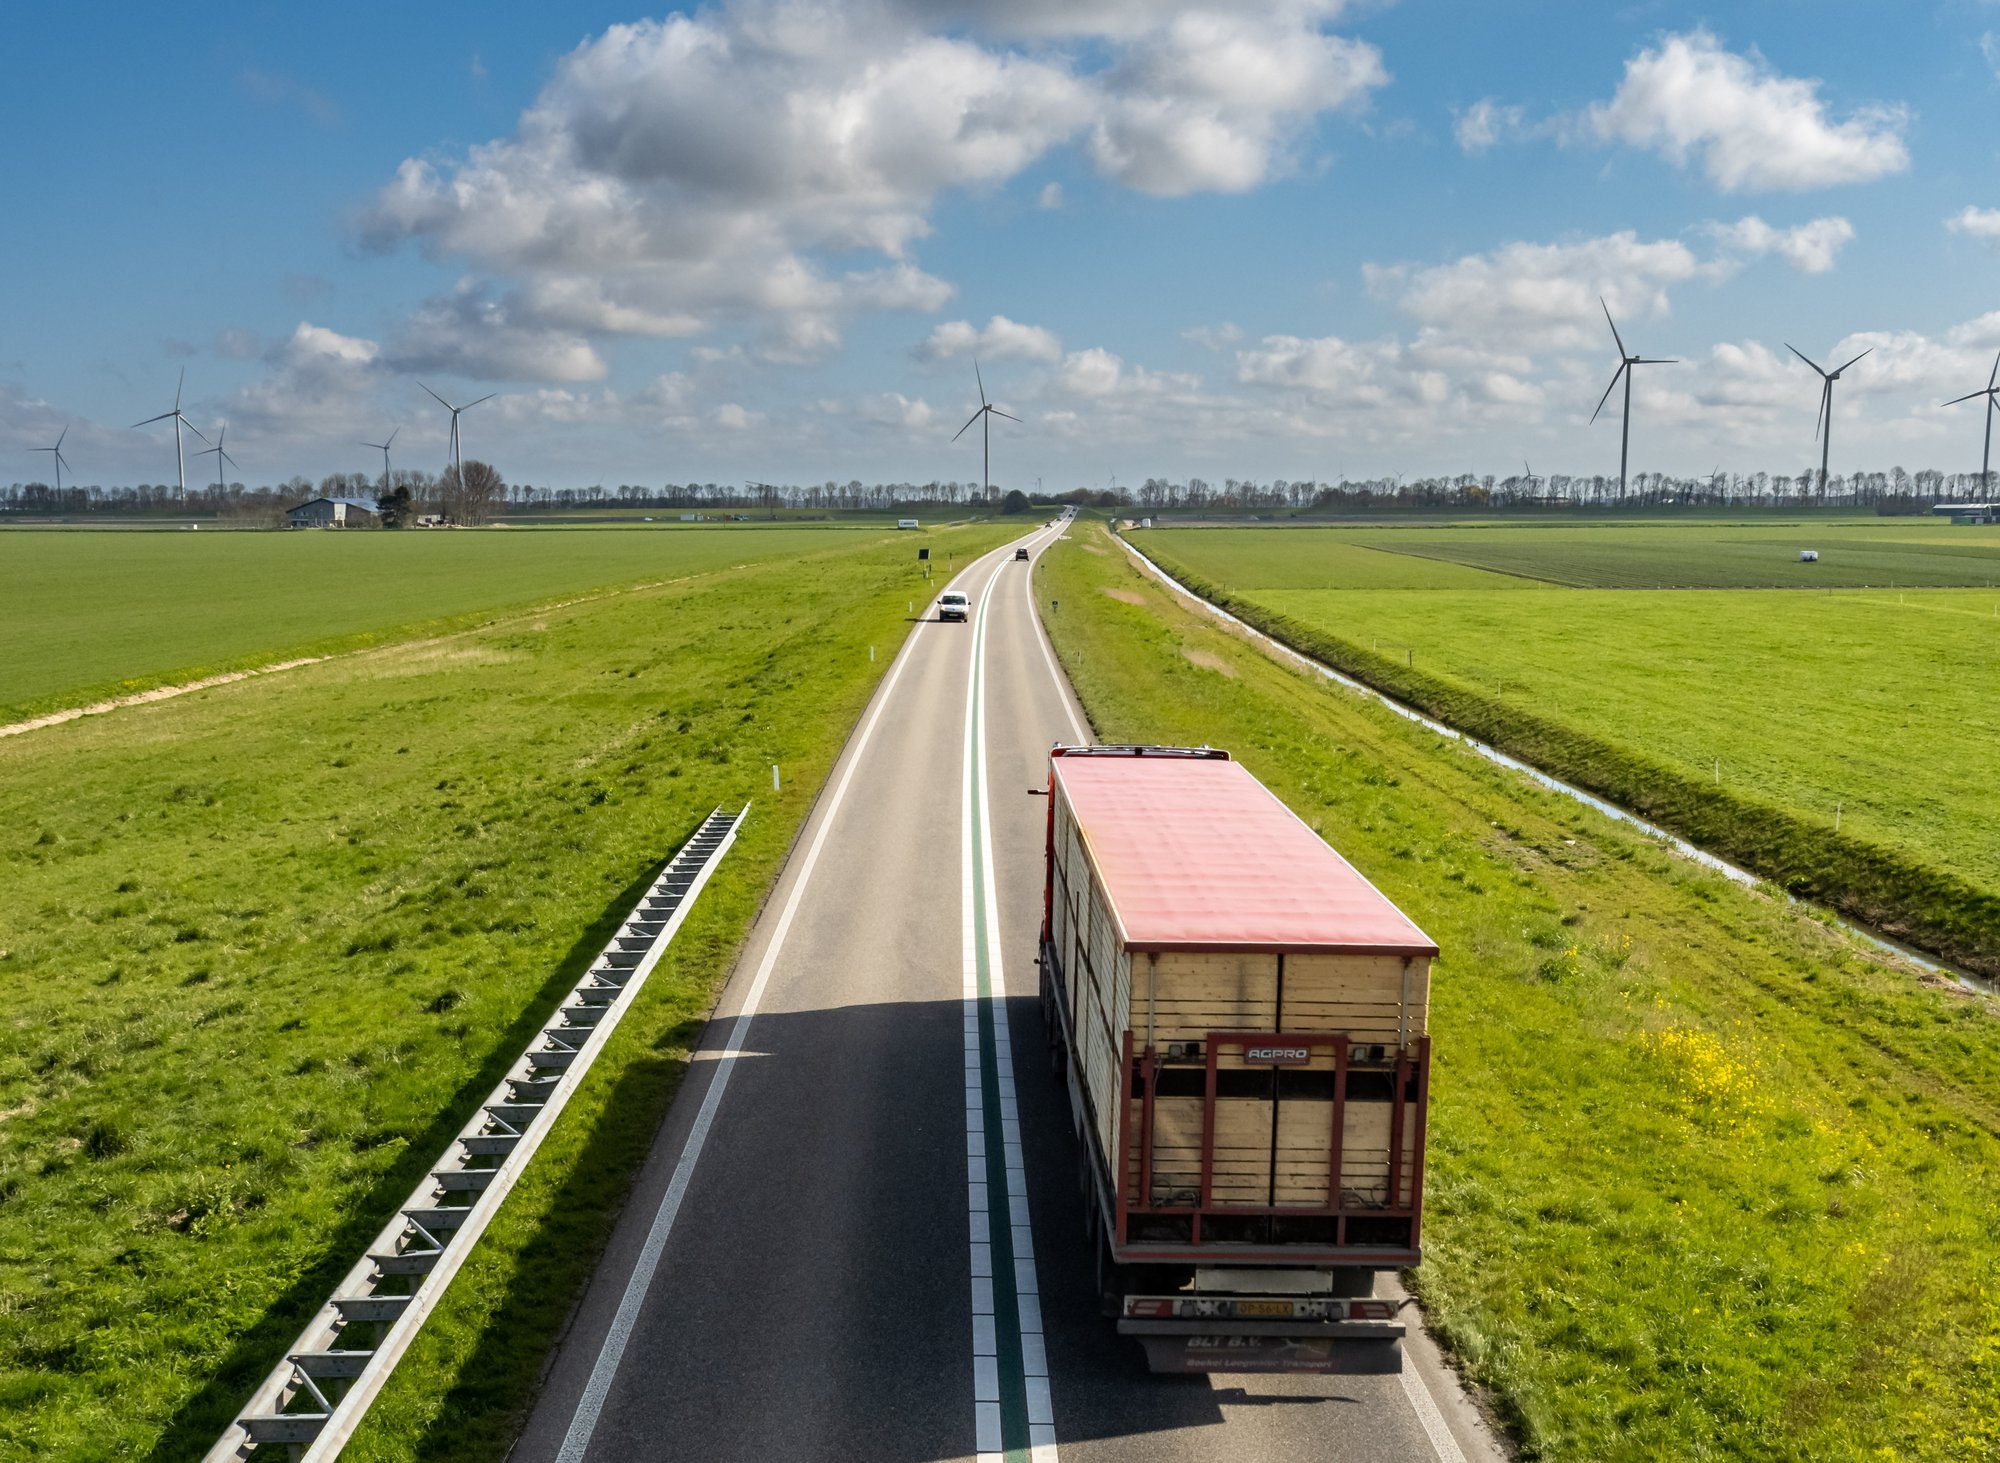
(1969, 512)
(332, 513)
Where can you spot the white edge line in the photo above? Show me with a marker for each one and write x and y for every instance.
(590, 1405)
(1426, 1408)
(1063, 692)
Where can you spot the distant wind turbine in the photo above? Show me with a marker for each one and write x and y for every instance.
(1626, 361)
(383, 448)
(179, 421)
(1986, 454)
(61, 461)
(219, 455)
(1823, 423)
(984, 416)
(456, 461)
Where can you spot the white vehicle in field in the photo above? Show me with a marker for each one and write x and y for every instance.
(953, 605)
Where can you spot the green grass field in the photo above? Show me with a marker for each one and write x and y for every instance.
(1880, 705)
(1868, 553)
(1872, 707)
(89, 615)
(1704, 1181)
(264, 946)
(1307, 558)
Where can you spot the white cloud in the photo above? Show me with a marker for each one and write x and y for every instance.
(473, 332)
(1001, 340)
(1093, 372)
(893, 409)
(1982, 224)
(681, 173)
(1213, 100)
(1051, 196)
(1351, 375)
(1810, 248)
(312, 375)
(1214, 337)
(1527, 296)
(1487, 123)
(1989, 47)
(1752, 129)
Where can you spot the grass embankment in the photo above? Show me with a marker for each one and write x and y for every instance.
(90, 616)
(265, 947)
(1902, 890)
(1705, 1181)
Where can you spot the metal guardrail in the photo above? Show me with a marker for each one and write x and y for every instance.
(311, 1403)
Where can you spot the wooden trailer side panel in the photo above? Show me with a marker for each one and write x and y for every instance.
(1098, 972)
(1187, 996)
(1365, 996)
(1183, 995)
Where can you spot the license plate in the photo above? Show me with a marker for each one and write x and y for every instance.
(1264, 1308)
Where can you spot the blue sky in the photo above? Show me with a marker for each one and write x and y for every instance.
(1276, 238)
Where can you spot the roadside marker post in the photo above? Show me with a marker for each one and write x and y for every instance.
(774, 777)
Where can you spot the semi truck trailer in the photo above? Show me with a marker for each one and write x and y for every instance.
(1240, 1020)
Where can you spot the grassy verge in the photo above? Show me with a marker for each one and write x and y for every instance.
(264, 947)
(1706, 1182)
(1892, 889)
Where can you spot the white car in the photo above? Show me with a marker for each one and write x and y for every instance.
(953, 605)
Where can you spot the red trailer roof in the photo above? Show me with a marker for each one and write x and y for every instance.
(1196, 853)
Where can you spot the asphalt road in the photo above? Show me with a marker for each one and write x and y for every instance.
(808, 1265)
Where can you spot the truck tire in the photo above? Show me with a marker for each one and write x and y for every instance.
(1110, 1279)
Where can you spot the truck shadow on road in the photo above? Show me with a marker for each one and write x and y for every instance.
(814, 1299)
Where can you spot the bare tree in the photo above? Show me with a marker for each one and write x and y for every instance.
(469, 497)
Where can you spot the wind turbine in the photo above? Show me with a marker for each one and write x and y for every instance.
(984, 416)
(61, 461)
(1626, 361)
(179, 421)
(383, 448)
(219, 455)
(1823, 423)
(1985, 456)
(456, 462)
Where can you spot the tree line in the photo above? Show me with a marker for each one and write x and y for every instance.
(1894, 491)
(412, 492)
